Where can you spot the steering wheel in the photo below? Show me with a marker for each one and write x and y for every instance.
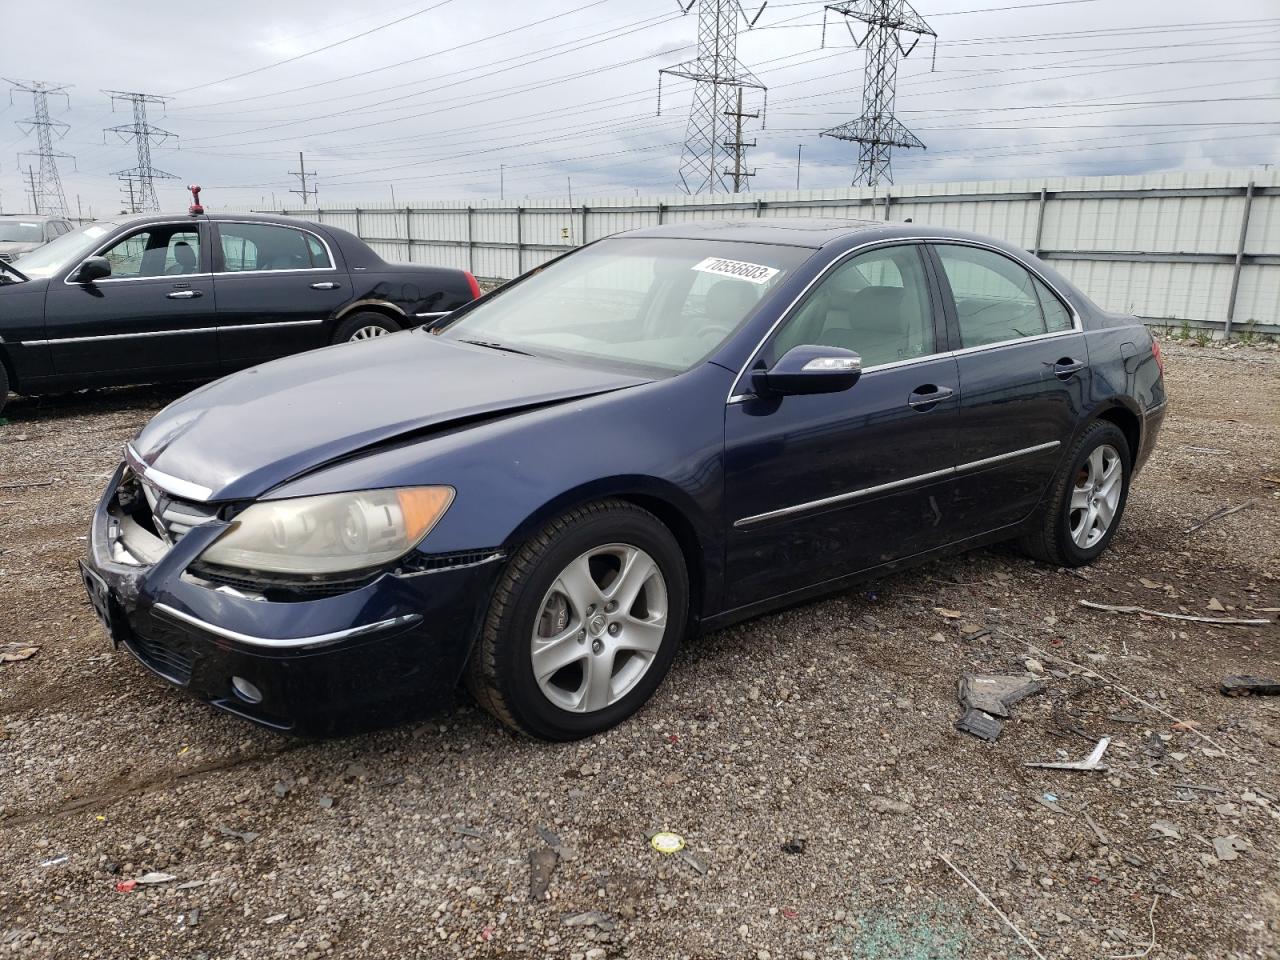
(721, 330)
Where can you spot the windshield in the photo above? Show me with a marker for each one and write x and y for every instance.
(53, 256)
(653, 303)
(20, 231)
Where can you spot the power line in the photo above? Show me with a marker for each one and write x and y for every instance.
(309, 53)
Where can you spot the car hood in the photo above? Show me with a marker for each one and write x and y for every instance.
(15, 248)
(246, 433)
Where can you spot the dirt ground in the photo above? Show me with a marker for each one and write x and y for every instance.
(826, 730)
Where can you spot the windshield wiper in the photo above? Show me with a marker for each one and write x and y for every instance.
(494, 345)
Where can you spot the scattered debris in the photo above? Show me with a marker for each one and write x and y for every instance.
(283, 787)
(1086, 765)
(592, 918)
(326, 802)
(693, 860)
(1218, 515)
(276, 918)
(1050, 802)
(1228, 621)
(55, 861)
(665, 842)
(1206, 449)
(1151, 919)
(986, 697)
(23, 484)
(1228, 848)
(154, 877)
(193, 918)
(1164, 828)
(1156, 747)
(244, 836)
(15, 652)
(987, 900)
(1097, 830)
(542, 863)
(1196, 786)
(552, 840)
(795, 845)
(1215, 605)
(469, 832)
(1244, 685)
(948, 614)
(126, 886)
(887, 805)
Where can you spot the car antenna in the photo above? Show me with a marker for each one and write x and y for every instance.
(196, 207)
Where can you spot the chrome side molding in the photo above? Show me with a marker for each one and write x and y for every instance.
(894, 485)
(319, 640)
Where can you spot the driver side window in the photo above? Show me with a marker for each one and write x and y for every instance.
(876, 304)
(166, 250)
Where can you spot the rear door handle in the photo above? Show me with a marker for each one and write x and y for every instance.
(927, 396)
(1066, 368)
(325, 285)
(184, 294)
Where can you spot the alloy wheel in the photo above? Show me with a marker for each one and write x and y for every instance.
(368, 332)
(1095, 496)
(599, 628)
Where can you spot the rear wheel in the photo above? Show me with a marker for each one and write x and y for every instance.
(364, 326)
(1083, 509)
(584, 624)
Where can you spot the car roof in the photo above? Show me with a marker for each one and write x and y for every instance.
(811, 232)
(138, 219)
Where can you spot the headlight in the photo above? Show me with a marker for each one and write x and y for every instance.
(333, 533)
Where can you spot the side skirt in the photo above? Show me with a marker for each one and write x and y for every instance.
(839, 584)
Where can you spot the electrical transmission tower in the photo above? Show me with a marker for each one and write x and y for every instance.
(878, 131)
(46, 186)
(715, 68)
(140, 180)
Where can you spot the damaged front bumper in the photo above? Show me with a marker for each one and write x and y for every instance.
(388, 649)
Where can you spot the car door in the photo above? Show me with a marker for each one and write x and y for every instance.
(1024, 379)
(276, 286)
(152, 317)
(821, 486)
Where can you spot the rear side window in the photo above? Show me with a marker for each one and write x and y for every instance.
(265, 246)
(319, 256)
(996, 299)
(1056, 317)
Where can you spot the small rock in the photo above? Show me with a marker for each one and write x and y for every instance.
(1033, 665)
(887, 805)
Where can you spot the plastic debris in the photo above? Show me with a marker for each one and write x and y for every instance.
(155, 876)
(13, 653)
(55, 861)
(1164, 828)
(795, 845)
(245, 836)
(665, 842)
(1086, 765)
(126, 886)
(1244, 686)
(987, 698)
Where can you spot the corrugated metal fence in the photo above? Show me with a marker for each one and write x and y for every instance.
(1193, 248)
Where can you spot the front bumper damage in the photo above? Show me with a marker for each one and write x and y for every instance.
(393, 648)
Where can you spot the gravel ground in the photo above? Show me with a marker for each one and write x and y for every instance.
(808, 758)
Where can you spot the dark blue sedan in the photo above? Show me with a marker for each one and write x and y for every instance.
(545, 492)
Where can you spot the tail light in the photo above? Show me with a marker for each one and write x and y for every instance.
(475, 285)
(1155, 352)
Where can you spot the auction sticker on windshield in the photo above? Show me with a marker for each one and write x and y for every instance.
(737, 269)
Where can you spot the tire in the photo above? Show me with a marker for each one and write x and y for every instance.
(4, 387)
(529, 610)
(360, 326)
(1066, 529)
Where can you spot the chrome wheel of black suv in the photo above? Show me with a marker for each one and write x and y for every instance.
(1083, 508)
(584, 624)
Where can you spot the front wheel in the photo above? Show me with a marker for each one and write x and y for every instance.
(584, 624)
(1084, 506)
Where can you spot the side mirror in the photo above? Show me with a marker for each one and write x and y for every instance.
(809, 369)
(95, 268)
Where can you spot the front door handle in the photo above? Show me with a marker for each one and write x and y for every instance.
(1066, 368)
(184, 294)
(927, 396)
(325, 285)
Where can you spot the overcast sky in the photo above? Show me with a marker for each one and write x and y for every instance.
(566, 90)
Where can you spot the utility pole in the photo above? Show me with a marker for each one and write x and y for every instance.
(48, 195)
(143, 135)
(739, 146)
(716, 65)
(799, 150)
(302, 173)
(502, 182)
(878, 131)
(32, 191)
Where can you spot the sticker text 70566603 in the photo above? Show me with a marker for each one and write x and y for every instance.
(737, 269)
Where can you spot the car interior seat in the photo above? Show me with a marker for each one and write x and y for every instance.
(728, 301)
(871, 323)
(185, 261)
